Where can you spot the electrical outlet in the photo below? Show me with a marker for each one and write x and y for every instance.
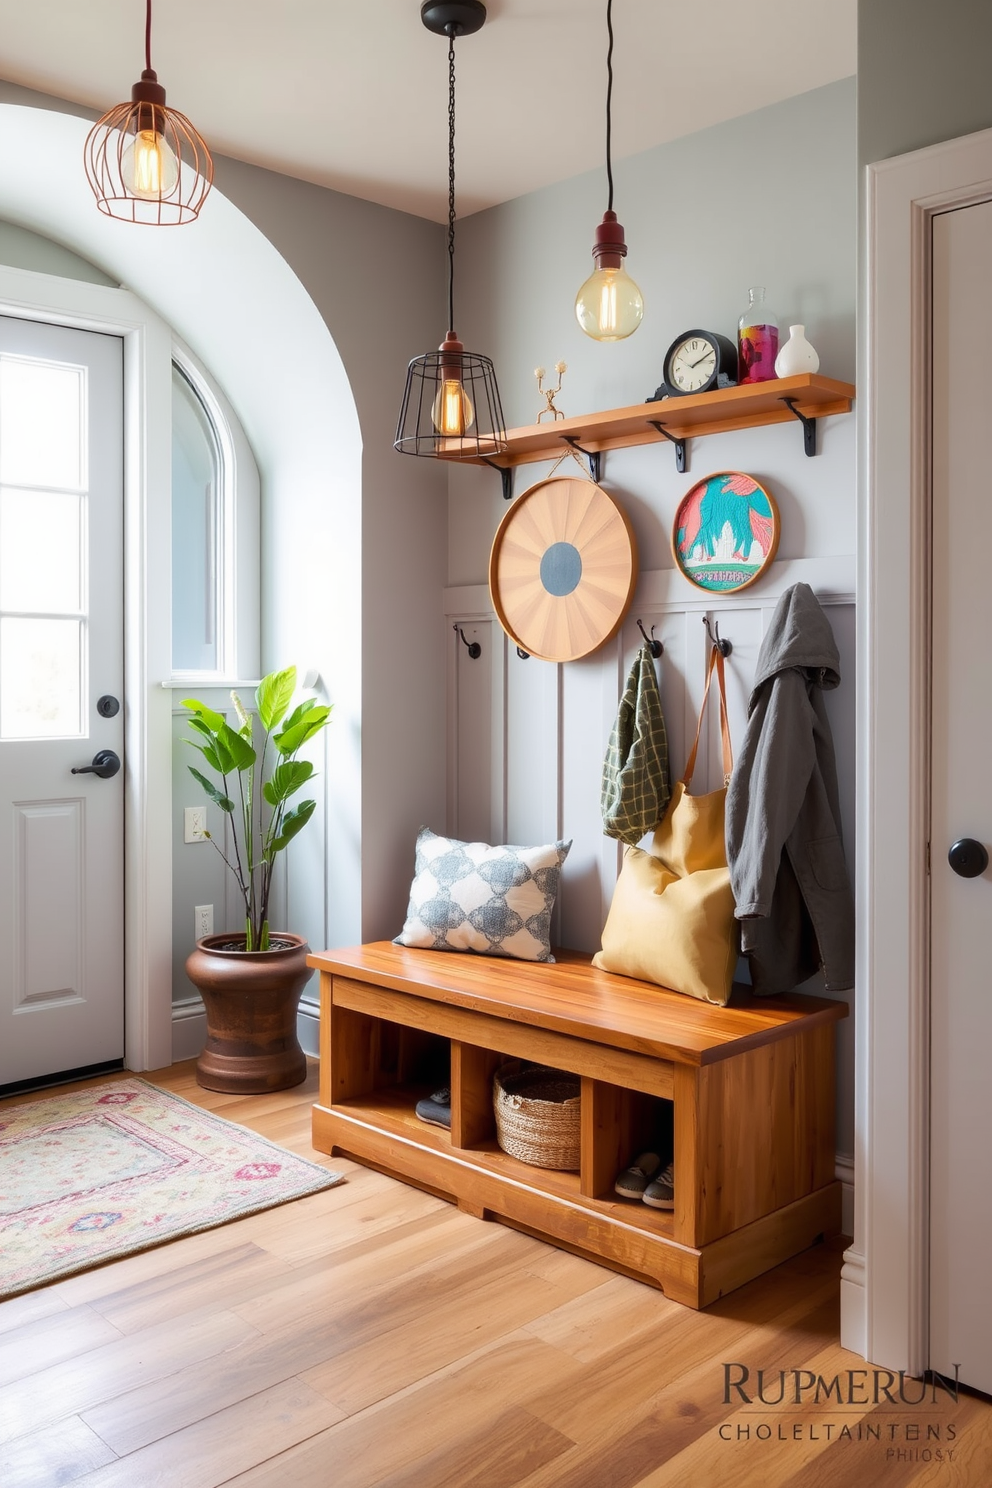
(203, 921)
(194, 824)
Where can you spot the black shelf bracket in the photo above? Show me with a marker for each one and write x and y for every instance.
(506, 476)
(809, 426)
(593, 456)
(681, 464)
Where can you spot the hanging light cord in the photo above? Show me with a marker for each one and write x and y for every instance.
(609, 100)
(148, 35)
(451, 178)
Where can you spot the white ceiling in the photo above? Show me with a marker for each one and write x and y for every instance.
(353, 93)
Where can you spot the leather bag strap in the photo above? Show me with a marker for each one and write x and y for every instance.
(715, 665)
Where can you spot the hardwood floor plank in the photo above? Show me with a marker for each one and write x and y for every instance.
(217, 1448)
(481, 1314)
(230, 1274)
(370, 1279)
(409, 1425)
(86, 1379)
(30, 1307)
(605, 1318)
(54, 1456)
(35, 1346)
(501, 1455)
(157, 1410)
(292, 1344)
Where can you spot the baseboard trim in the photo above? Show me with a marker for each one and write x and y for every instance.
(854, 1303)
(189, 1028)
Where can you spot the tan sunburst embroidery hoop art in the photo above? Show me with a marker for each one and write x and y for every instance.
(563, 569)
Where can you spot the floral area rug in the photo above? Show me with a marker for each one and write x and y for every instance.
(108, 1170)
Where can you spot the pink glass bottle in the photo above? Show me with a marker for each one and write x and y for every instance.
(757, 340)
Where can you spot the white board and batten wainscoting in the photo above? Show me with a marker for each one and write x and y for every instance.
(526, 738)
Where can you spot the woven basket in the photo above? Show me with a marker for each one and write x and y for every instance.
(537, 1116)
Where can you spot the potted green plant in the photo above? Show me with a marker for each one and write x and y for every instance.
(251, 980)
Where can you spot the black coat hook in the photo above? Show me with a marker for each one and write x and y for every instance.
(724, 647)
(655, 647)
(474, 649)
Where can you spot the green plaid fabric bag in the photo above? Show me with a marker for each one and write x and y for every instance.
(636, 787)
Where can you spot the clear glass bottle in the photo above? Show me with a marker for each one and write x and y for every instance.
(757, 339)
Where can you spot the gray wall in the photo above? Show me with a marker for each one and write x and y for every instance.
(769, 198)
(376, 276)
(21, 249)
(923, 73)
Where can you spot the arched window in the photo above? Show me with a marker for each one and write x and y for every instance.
(214, 533)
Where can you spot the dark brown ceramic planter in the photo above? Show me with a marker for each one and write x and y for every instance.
(251, 998)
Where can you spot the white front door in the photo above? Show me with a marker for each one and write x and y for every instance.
(61, 699)
(961, 906)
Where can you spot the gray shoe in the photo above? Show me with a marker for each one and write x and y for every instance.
(436, 1109)
(632, 1182)
(661, 1193)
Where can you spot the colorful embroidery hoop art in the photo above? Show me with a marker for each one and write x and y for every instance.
(562, 569)
(726, 532)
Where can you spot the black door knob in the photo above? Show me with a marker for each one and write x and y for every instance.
(968, 858)
(107, 706)
(105, 764)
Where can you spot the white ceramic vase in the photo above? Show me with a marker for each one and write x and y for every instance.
(796, 355)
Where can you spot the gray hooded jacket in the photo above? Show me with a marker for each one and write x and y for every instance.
(787, 865)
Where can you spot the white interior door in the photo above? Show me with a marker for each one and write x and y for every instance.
(61, 674)
(961, 938)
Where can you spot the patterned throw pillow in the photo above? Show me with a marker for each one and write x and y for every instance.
(468, 896)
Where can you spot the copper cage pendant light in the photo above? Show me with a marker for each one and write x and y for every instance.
(144, 161)
(451, 407)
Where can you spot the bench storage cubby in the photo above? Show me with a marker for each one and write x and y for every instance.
(745, 1094)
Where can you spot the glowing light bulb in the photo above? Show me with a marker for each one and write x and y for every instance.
(148, 167)
(609, 306)
(452, 412)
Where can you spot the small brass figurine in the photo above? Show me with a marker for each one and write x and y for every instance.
(549, 394)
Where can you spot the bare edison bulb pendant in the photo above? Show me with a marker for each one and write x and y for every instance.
(609, 306)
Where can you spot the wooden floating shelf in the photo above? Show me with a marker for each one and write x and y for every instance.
(749, 407)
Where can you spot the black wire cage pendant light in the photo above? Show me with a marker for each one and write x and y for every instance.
(451, 407)
(144, 161)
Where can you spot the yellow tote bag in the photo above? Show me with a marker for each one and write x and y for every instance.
(672, 916)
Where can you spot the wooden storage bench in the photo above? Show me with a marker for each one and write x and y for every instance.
(751, 1088)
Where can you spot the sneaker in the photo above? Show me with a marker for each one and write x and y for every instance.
(632, 1182)
(436, 1109)
(661, 1193)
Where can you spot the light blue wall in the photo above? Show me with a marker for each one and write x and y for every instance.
(769, 198)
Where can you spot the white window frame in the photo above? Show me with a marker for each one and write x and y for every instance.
(237, 576)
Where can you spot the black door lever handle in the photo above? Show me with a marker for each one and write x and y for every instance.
(105, 764)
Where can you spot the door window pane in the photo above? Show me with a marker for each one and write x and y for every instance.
(42, 421)
(39, 678)
(196, 536)
(40, 551)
